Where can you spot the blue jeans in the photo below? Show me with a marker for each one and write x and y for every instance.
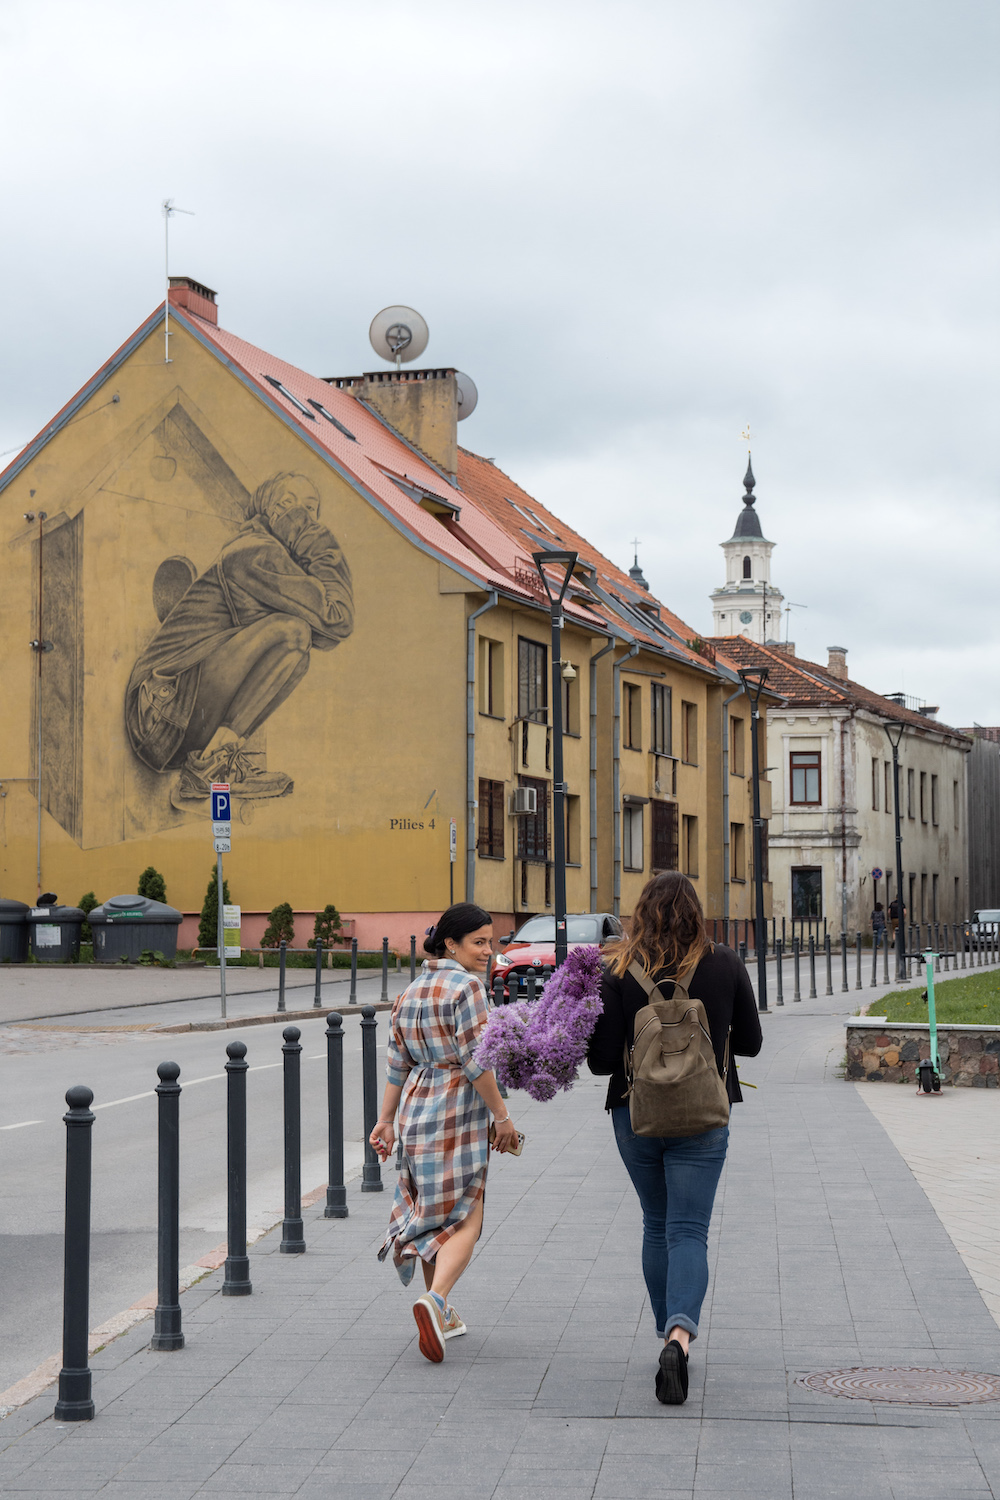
(675, 1178)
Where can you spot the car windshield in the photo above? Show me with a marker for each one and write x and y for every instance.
(543, 930)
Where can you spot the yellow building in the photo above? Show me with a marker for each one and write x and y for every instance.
(230, 570)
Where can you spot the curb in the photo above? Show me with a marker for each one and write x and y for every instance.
(235, 1022)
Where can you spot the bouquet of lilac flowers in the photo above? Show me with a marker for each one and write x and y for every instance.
(539, 1047)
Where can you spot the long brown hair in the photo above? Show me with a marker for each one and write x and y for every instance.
(667, 930)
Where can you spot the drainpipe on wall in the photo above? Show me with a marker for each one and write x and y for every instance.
(617, 783)
(726, 850)
(470, 746)
(593, 768)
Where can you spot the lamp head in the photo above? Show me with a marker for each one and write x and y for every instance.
(895, 729)
(753, 679)
(565, 560)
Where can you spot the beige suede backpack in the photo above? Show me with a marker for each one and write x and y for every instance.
(674, 1087)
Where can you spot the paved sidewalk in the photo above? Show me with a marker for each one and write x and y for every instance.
(825, 1251)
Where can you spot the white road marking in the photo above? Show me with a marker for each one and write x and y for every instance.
(21, 1124)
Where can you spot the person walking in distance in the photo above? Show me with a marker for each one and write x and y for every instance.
(878, 925)
(668, 974)
(440, 1101)
(894, 908)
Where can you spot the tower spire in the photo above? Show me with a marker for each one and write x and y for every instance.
(635, 572)
(748, 483)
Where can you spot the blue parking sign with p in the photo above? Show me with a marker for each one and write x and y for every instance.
(220, 807)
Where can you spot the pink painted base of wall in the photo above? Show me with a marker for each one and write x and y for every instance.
(368, 927)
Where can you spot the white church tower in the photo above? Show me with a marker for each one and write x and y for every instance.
(748, 603)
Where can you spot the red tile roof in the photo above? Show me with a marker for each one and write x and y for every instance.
(809, 685)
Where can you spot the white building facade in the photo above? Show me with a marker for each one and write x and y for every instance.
(748, 603)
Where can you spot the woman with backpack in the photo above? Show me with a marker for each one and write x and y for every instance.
(676, 1009)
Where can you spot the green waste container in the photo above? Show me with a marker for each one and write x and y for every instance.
(126, 926)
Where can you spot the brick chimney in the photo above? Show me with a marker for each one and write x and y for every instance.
(194, 298)
(837, 662)
(422, 405)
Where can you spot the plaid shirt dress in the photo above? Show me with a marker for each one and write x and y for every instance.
(442, 1122)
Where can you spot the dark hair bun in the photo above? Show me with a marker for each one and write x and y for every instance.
(453, 925)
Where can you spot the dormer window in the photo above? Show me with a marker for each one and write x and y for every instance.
(747, 573)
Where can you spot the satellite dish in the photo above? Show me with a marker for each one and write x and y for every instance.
(468, 396)
(398, 334)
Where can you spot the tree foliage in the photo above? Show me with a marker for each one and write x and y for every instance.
(326, 927)
(152, 885)
(280, 926)
(86, 904)
(208, 926)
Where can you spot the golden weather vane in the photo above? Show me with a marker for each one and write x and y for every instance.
(745, 435)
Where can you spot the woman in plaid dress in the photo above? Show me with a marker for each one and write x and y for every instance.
(444, 1100)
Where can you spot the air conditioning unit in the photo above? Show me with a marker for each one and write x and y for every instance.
(523, 802)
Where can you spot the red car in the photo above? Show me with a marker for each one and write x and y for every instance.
(533, 947)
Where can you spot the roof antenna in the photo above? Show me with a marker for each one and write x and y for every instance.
(788, 609)
(168, 209)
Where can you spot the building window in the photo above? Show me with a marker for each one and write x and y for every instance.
(804, 766)
(632, 716)
(923, 796)
(632, 837)
(491, 819)
(956, 910)
(747, 568)
(909, 903)
(663, 740)
(533, 831)
(571, 704)
(934, 803)
(888, 788)
(689, 728)
(807, 891)
(491, 678)
(736, 737)
(573, 842)
(954, 801)
(664, 820)
(532, 680)
(737, 852)
(875, 782)
(934, 899)
(909, 794)
(690, 832)
(923, 898)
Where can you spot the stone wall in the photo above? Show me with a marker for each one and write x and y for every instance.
(878, 1052)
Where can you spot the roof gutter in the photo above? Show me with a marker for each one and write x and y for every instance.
(471, 801)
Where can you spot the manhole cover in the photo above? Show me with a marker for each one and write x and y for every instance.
(905, 1385)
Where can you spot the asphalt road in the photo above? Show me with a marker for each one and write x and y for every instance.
(122, 1073)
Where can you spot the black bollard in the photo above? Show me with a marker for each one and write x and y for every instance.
(531, 987)
(352, 998)
(282, 955)
(829, 963)
(371, 1172)
(875, 941)
(318, 991)
(293, 1236)
(75, 1403)
(812, 963)
(384, 997)
(796, 955)
(237, 1282)
(857, 944)
(546, 976)
(336, 1192)
(947, 949)
(843, 960)
(413, 959)
(743, 952)
(167, 1318)
(779, 959)
(498, 995)
(885, 958)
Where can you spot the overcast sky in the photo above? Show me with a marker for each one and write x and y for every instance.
(638, 224)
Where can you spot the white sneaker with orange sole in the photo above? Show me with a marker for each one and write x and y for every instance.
(430, 1325)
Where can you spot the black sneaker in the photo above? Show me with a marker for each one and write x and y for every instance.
(672, 1376)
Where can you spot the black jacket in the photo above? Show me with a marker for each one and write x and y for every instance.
(722, 985)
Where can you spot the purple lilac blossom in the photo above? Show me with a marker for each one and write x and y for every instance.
(539, 1047)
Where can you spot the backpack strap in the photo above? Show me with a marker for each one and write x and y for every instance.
(653, 990)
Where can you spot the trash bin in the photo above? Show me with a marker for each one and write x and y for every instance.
(126, 926)
(13, 932)
(54, 933)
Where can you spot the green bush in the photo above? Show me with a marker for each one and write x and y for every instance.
(152, 885)
(280, 926)
(326, 928)
(208, 926)
(86, 904)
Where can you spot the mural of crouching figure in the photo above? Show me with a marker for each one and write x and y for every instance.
(237, 643)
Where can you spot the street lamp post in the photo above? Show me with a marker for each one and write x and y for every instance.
(567, 562)
(896, 729)
(753, 680)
